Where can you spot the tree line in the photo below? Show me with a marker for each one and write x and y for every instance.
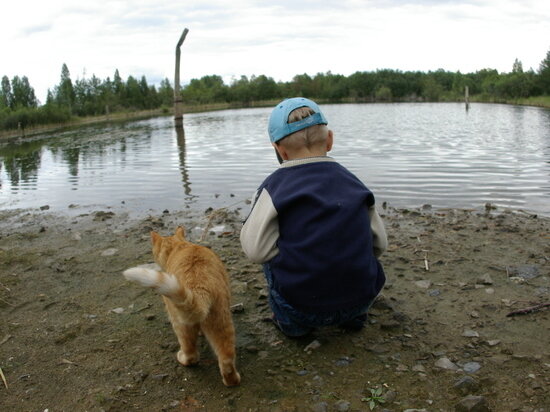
(19, 106)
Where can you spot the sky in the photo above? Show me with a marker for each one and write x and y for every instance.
(279, 39)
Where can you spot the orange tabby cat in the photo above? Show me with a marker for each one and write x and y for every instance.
(195, 289)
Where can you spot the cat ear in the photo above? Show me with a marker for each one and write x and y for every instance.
(180, 233)
(155, 237)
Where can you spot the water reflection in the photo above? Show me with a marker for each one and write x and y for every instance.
(408, 154)
(180, 133)
(21, 163)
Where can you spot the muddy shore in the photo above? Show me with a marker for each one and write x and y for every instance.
(443, 336)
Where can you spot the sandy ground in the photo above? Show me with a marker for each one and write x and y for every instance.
(75, 336)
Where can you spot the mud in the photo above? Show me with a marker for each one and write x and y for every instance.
(75, 336)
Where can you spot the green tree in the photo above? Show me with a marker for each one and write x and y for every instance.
(517, 67)
(6, 97)
(166, 93)
(383, 94)
(64, 92)
(544, 75)
(22, 93)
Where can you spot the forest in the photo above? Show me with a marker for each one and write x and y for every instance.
(68, 100)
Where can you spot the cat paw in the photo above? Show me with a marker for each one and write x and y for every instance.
(232, 379)
(187, 359)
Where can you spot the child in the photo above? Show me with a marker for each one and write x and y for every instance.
(315, 228)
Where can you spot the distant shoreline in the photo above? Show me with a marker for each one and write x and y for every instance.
(9, 135)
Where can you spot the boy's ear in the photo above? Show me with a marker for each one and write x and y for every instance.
(180, 233)
(155, 237)
(330, 140)
(281, 150)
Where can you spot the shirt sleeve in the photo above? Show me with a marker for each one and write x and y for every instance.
(260, 231)
(379, 237)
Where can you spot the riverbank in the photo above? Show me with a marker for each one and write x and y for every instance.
(74, 335)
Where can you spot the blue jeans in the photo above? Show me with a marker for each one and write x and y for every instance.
(294, 323)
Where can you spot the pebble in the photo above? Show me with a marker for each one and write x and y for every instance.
(523, 271)
(118, 311)
(472, 403)
(470, 333)
(312, 346)
(237, 308)
(445, 363)
(434, 292)
(344, 361)
(424, 284)
(485, 279)
(342, 406)
(466, 385)
(493, 342)
(418, 368)
(109, 252)
(471, 367)
(320, 407)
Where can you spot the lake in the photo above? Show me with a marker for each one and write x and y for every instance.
(408, 154)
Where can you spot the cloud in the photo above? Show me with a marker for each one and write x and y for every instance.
(278, 39)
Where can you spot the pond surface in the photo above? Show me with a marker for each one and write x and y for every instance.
(407, 154)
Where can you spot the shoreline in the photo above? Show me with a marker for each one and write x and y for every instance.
(439, 337)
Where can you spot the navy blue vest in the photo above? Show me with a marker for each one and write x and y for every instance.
(325, 261)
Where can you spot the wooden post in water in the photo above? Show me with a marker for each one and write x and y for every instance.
(467, 97)
(178, 102)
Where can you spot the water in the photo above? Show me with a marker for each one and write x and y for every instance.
(407, 154)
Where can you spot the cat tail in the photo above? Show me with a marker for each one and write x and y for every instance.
(164, 283)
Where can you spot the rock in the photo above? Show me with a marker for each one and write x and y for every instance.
(343, 361)
(522, 271)
(471, 367)
(45, 207)
(239, 287)
(320, 407)
(470, 333)
(485, 279)
(466, 385)
(424, 284)
(493, 342)
(118, 311)
(342, 406)
(389, 325)
(472, 403)
(434, 292)
(312, 346)
(109, 252)
(237, 308)
(445, 363)
(418, 368)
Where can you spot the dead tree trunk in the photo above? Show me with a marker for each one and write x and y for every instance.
(178, 102)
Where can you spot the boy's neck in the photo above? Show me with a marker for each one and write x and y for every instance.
(305, 153)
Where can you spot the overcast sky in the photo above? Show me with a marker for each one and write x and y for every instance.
(277, 38)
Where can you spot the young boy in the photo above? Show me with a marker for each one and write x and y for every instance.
(315, 228)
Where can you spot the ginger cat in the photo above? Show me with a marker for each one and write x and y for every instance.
(195, 289)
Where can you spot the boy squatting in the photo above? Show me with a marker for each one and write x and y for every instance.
(314, 226)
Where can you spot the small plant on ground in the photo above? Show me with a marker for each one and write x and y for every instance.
(375, 398)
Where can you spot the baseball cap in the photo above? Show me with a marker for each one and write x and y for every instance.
(279, 127)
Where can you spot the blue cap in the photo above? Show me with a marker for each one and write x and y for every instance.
(279, 127)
